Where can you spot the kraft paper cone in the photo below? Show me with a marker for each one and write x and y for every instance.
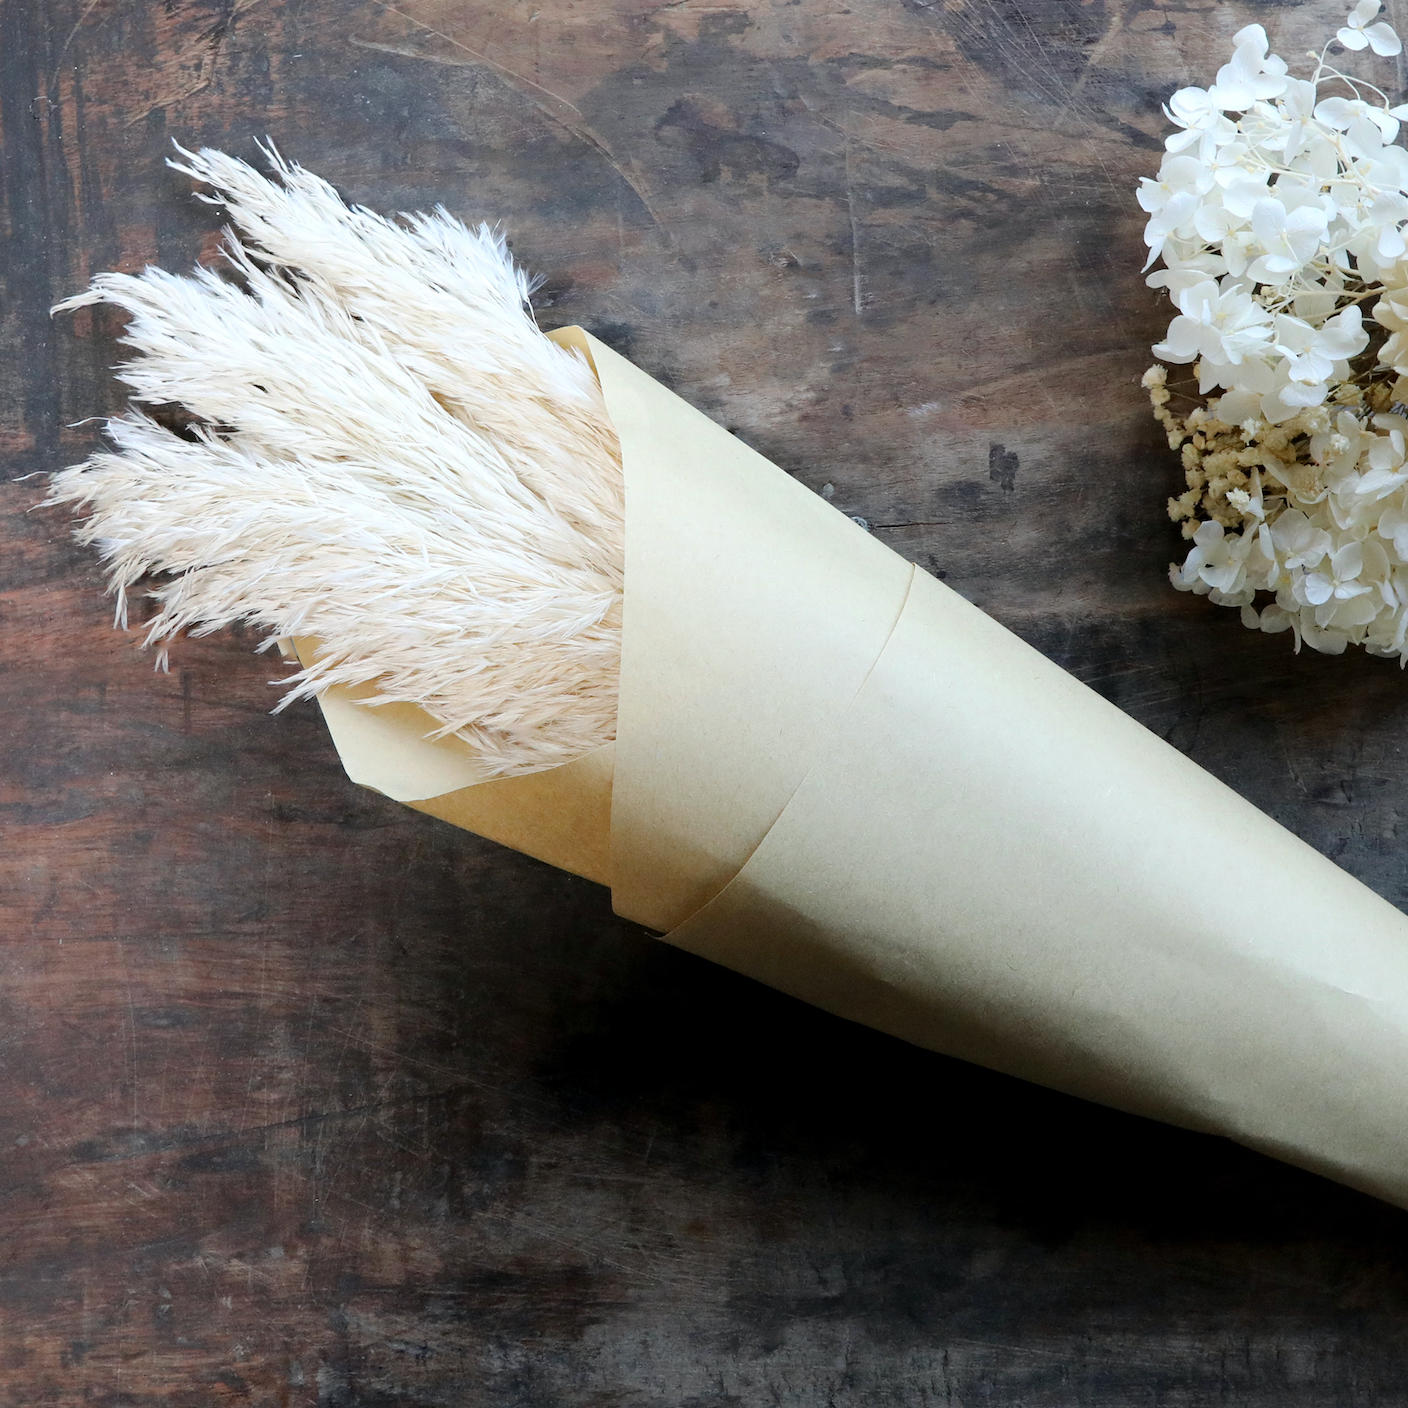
(833, 774)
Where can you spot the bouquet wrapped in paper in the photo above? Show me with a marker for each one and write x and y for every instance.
(540, 597)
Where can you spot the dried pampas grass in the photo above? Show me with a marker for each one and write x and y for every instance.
(385, 454)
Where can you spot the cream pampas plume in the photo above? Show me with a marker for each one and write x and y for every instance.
(386, 454)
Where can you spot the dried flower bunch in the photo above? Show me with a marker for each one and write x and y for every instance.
(1279, 215)
(384, 453)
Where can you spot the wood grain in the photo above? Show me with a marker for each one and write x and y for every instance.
(309, 1099)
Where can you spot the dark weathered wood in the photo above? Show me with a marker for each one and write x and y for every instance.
(308, 1099)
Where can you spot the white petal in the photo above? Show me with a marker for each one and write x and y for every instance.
(1242, 194)
(1326, 642)
(1188, 105)
(1182, 341)
(1318, 588)
(1340, 345)
(1181, 172)
(1291, 528)
(1298, 394)
(1293, 335)
(1198, 300)
(1254, 376)
(1268, 219)
(1365, 10)
(1348, 561)
(1383, 40)
(1165, 353)
(1229, 95)
(1364, 138)
(1177, 209)
(1385, 122)
(1338, 112)
(1352, 38)
(1223, 578)
(1239, 405)
(1375, 560)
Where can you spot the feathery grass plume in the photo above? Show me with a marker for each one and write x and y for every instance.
(386, 454)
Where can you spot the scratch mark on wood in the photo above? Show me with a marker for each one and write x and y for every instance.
(513, 77)
(69, 38)
(1096, 55)
(857, 284)
(553, 106)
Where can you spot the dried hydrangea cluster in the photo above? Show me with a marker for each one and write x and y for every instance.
(1279, 214)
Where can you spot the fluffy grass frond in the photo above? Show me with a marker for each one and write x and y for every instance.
(386, 454)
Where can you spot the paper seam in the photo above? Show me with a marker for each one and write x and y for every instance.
(820, 752)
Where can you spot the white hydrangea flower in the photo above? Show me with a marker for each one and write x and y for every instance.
(1298, 542)
(1340, 580)
(1224, 324)
(1290, 239)
(1311, 354)
(1197, 112)
(1391, 312)
(1355, 35)
(1385, 216)
(1280, 217)
(1177, 174)
(1393, 529)
(1175, 214)
(1294, 128)
(1252, 76)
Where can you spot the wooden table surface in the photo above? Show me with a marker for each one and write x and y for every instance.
(308, 1099)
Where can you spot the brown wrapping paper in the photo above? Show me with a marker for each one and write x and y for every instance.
(833, 774)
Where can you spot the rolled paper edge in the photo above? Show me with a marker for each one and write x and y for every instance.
(560, 815)
(387, 747)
